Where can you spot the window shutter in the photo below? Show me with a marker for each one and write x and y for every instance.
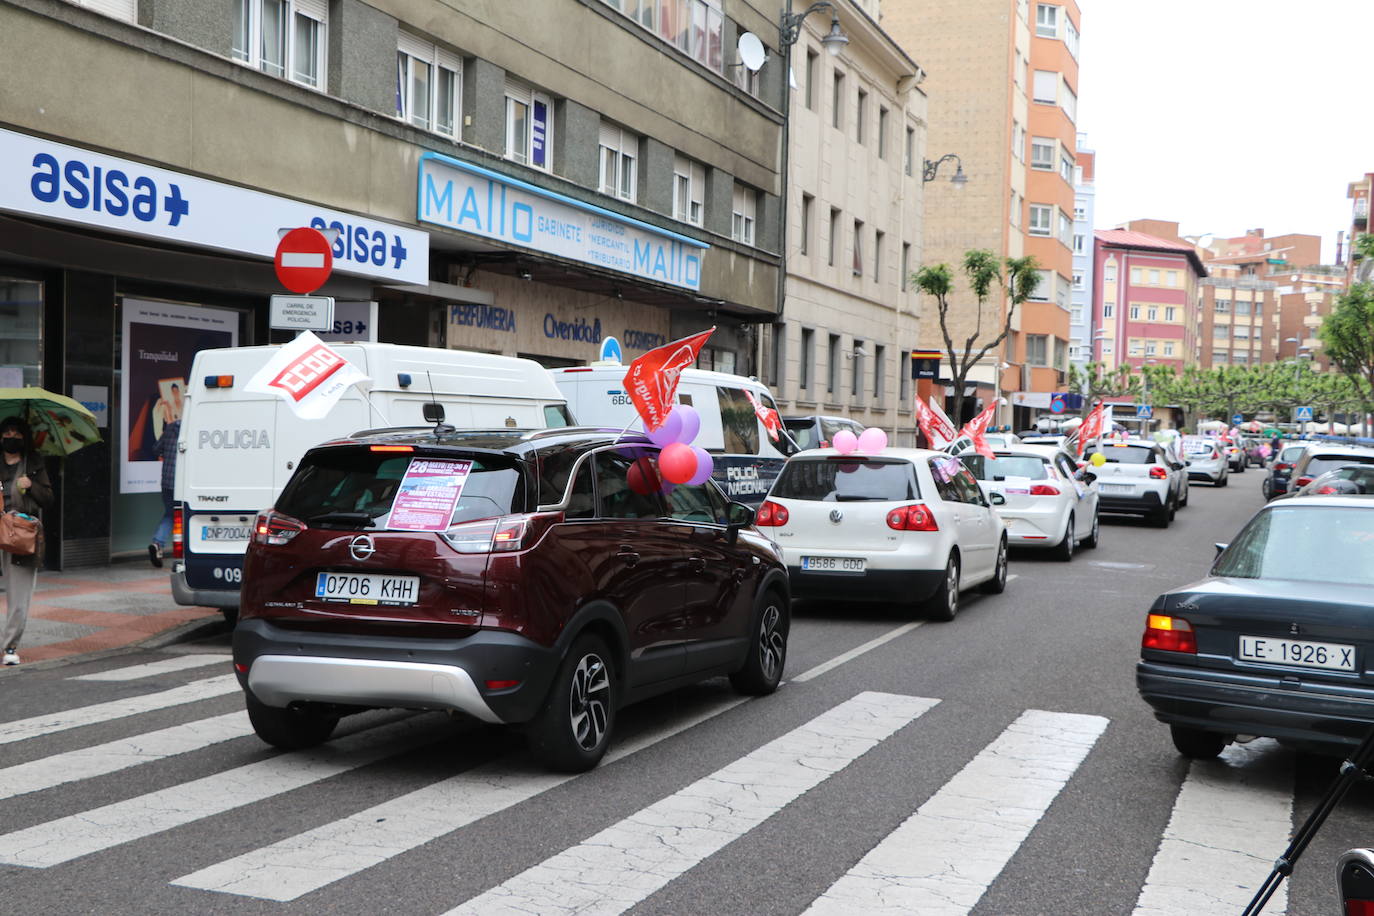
(415, 47)
(315, 9)
(448, 60)
(126, 10)
(610, 136)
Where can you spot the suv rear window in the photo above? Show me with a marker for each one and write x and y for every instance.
(1320, 464)
(1004, 466)
(846, 480)
(1129, 454)
(803, 432)
(355, 488)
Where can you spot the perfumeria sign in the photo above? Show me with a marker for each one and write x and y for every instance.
(468, 198)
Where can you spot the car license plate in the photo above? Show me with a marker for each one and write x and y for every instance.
(225, 532)
(1115, 487)
(1332, 656)
(366, 588)
(852, 565)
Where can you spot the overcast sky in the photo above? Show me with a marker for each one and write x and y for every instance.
(1228, 115)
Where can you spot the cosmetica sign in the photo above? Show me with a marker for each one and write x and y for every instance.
(59, 182)
(478, 201)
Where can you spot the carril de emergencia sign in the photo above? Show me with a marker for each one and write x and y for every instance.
(468, 198)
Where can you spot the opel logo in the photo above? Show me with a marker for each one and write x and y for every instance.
(361, 547)
(1294, 629)
(836, 515)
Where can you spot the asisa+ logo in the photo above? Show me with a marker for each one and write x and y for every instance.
(115, 191)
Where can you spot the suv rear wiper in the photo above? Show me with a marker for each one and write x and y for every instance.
(338, 516)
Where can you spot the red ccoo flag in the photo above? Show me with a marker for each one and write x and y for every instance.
(938, 429)
(651, 381)
(1090, 428)
(767, 415)
(976, 427)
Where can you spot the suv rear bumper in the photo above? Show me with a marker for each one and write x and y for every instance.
(286, 666)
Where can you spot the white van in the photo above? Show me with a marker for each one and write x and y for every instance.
(237, 450)
(746, 460)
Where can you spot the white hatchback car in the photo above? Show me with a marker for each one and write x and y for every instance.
(1048, 501)
(1206, 460)
(907, 525)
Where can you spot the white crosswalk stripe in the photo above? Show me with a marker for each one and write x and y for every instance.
(625, 863)
(113, 756)
(47, 724)
(67, 838)
(308, 861)
(1231, 818)
(154, 669)
(946, 855)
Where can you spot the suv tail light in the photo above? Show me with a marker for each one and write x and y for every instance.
(500, 535)
(179, 531)
(1282, 466)
(1044, 489)
(1169, 634)
(1158, 473)
(912, 518)
(275, 529)
(1302, 481)
(771, 515)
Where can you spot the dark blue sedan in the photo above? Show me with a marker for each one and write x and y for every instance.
(1278, 640)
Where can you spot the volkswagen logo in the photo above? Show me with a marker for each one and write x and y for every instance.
(361, 547)
(836, 516)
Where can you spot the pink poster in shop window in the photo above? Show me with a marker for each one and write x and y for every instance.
(428, 494)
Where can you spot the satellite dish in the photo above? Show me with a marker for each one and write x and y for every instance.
(751, 52)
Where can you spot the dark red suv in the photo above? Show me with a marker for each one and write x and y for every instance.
(541, 578)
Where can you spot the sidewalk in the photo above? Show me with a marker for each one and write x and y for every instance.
(84, 611)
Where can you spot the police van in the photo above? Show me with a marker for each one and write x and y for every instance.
(746, 460)
(236, 449)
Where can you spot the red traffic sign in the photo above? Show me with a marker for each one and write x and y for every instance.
(303, 260)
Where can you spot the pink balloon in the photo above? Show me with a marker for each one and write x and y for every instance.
(845, 442)
(668, 432)
(677, 462)
(872, 440)
(691, 423)
(705, 465)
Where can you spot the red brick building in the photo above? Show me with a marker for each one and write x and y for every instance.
(1145, 297)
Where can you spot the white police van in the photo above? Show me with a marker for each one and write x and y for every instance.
(746, 460)
(236, 450)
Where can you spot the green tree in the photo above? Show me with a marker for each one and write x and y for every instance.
(1347, 334)
(983, 271)
(1096, 382)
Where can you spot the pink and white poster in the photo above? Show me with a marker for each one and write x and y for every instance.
(428, 494)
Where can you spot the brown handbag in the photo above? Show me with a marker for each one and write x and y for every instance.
(19, 535)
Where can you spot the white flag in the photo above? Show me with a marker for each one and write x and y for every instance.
(308, 374)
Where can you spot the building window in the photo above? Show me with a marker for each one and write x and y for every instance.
(528, 130)
(1070, 37)
(1107, 310)
(879, 373)
(1152, 313)
(1061, 354)
(860, 112)
(689, 186)
(1045, 288)
(837, 102)
(1079, 213)
(856, 371)
(1222, 306)
(1065, 229)
(427, 85)
(1016, 201)
(1221, 331)
(858, 265)
(1221, 356)
(1069, 102)
(1168, 348)
(779, 339)
(1109, 275)
(694, 27)
(1045, 88)
(282, 38)
(904, 381)
(1150, 348)
(831, 253)
(1046, 20)
(619, 162)
(21, 329)
(1242, 332)
(909, 150)
(1135, 276)
(1242, 307)
(1042, 153)
(1154, 278)
(1041, 220)
(1078, 280)
(743, 212)
(1135, 313)
(1107, 349)
(882, 132)
(878, 237)
(813, 63)
(1018, 141)
(1171, 278)
(906, 264)
(1076, 314)
(1170, 313)
(1065, 167)
(807, 202)
(1037, 349)
(1079, 243)
(833, 355)
(1259, 309)
(806, 359)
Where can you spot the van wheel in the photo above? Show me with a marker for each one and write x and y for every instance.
(1197, 744)
(291, 729)
(1064, 549)
(573, 730)
(762, 669)
(944, 604)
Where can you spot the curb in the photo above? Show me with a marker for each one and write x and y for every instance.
(185, 632)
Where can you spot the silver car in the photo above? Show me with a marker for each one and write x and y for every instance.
(1205, 460)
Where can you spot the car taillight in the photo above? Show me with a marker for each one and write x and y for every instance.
(275, 529)
(1158, 473)
(1282, 466)
(1325, 490)
(1043, 489)
(500, 535)
(1359, 908)
(912, 518)
(178, 532)
(1169, 634)
(1302, 481)
(771, 515)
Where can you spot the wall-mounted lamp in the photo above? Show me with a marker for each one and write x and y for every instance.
(958, 179)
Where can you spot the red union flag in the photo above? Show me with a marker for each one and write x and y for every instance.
(767, 415)
(938, 429)
(976, 427)
(308, 374)
(651, 381)
(1090, 428)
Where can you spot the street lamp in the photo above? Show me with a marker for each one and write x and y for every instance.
(789, 29)
(928, 170)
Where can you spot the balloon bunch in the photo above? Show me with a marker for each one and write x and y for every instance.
(679, 461)
(871, 441)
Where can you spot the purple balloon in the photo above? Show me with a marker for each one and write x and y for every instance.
(668, 433)
(705, 465)
(691, 422)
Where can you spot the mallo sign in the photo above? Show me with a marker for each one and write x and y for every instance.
(478, 201)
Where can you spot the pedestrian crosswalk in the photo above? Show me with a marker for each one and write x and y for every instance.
(947, 850)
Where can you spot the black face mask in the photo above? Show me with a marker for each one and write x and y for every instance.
(12, 445)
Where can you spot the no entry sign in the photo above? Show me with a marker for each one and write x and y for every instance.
(303, 260)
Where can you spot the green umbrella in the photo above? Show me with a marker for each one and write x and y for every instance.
(60, 425)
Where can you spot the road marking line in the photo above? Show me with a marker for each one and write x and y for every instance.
(854, 653)
(617, 868)
(67, 838)
(943, 858)
(1233, 816)
(88, 762)
(46, 724)
(152, 669)
(331, 852)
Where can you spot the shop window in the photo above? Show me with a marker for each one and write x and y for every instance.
(427, 85)
(21, 332)
(528, 128)
(284, 38)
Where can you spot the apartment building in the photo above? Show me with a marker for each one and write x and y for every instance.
(857, 134)
(514, 183)
(1084, 213)
(1145, 296)
(1237, 317)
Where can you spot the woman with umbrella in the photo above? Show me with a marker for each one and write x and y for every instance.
(26, 488)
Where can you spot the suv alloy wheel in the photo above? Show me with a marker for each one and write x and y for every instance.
(573, 730)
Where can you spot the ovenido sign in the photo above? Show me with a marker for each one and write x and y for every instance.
(468, 198)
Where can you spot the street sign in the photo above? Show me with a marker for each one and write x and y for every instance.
(302, 313)
(610, 350)
(1144, 411)
(303, 260)
(1302, 414)
(1237, 418)
(1057, 405)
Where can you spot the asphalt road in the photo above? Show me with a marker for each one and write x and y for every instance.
(998, 764)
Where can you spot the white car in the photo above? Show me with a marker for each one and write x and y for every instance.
(1049, 503)
(1205, 460)
(1139, 478)
(907, 525)
(1002, 440)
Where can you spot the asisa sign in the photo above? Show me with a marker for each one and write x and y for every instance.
(469, 198)
(66, 183)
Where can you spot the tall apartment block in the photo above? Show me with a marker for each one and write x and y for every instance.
(1081, 298)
